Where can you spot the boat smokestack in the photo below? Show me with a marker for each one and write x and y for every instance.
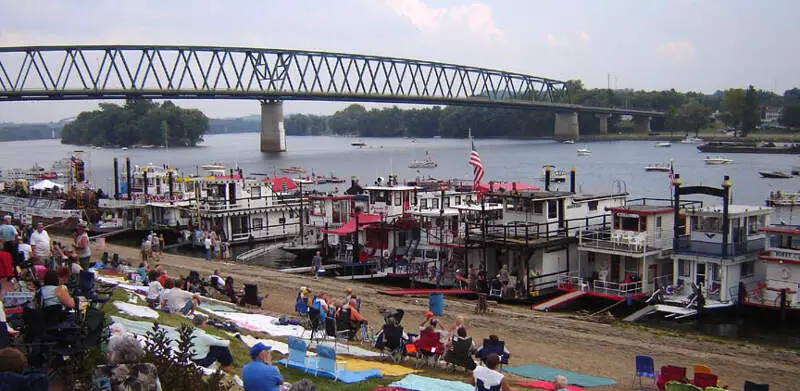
(116, 179)
(572, 180)
(547, 178)
(170, 185)
(128, 176)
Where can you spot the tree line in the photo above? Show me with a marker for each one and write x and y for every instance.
(137, 122)
(689, 112)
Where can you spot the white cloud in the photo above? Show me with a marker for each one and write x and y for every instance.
(475, 18)
(579, 39)
(676, 51)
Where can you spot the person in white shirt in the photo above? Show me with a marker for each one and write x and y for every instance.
(40, 243)
(207, 244)
(488, 378)
(179, 301)
(154, 290)
(24, 249)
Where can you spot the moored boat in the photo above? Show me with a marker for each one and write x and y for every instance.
(213, 166)
(717, 160)
(359, 144)
(663, 144)
(584, 152)
(570, 141)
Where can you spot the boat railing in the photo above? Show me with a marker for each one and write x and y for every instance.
(667, 202)
(759, 292)
(573, 281)
(625, 241)
(685, 245)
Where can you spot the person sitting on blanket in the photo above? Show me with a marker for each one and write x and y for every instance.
(141, 271)
(488, 378)
(5, 286)
(259, 374)
(179, 301)
(55, 296)
(560, 383)
(218, 349)
(494, 338)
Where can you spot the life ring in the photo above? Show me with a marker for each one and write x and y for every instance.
(786, 273)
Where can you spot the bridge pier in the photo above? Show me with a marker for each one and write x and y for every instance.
(566, 126)
(641, 124)
(273, 134)
(602, 119)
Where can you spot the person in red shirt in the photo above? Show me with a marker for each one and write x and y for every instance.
(6, 263)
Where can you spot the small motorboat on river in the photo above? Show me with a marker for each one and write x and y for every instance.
(426, 163)
(663, 144)
(584, 152)
(775, 174)
(717, 160)
(660, 167)
(293, 170)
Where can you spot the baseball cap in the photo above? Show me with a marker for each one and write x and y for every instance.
(258, 348)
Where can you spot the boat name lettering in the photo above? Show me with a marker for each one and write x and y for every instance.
(157, 198)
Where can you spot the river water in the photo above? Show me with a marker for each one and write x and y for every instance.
(613, 164)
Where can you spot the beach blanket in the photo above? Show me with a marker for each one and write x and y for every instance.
(206, 306)
(261, 323)
(548, 374)
(136, 310)
(344, 376)
(354, 364)
(545, 385)
(422, 383)
(351, 350)
(278, 346)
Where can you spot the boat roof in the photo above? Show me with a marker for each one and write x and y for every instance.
(643, 210)
(598, 196)
(733, 210)
(782, 229)
(532, 194)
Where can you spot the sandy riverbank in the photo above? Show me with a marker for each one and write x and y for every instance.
(559, 341)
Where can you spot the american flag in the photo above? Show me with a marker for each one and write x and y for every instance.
(477, 166)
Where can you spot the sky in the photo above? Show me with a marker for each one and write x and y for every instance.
(686, 45)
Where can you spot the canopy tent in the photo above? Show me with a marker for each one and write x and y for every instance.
(281, 184)
(46, 185)
(508, 186)
(350, 226)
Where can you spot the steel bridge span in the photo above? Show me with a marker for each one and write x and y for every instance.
(272, 76)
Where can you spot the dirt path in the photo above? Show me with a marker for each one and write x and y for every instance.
(559, 341)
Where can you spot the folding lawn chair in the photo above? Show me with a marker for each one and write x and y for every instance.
(460, 354)
(297, 352)
(326, 362)
(645, 368)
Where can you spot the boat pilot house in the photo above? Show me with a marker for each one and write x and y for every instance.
(525, 240)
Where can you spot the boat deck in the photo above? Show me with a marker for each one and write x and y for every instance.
(425, 292)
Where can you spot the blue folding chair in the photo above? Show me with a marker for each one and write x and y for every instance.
(297, 352)
(645, 368)
(326, 362)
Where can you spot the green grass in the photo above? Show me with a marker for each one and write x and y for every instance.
(240, 350)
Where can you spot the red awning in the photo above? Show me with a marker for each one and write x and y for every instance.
(350, 226)
(281, 184)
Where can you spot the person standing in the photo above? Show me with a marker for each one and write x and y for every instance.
(316, 262)
(207, 244)
(7, 230)
(259, 374)
(40, 243)
(82, 245)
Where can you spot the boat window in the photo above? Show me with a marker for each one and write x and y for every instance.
(423, 203)
(258, 224)
(446, 202)
(434, 203)
(683, 269)
(552, 209)
(710, 224)
(642, 224)
(752, 225)
(189, 187)
(413, 197)
(538, 207)
(593, 205)
(658, 221)
(747, 269)
(458, 200)
(626, 223)
(397, 198)
(317, 208)
(255, 192)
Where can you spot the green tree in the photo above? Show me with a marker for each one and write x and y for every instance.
(751, 111)
(692, 116)
(790, 115)
(140, 121)
(732, 107)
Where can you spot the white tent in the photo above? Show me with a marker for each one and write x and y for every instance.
(46, 185)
